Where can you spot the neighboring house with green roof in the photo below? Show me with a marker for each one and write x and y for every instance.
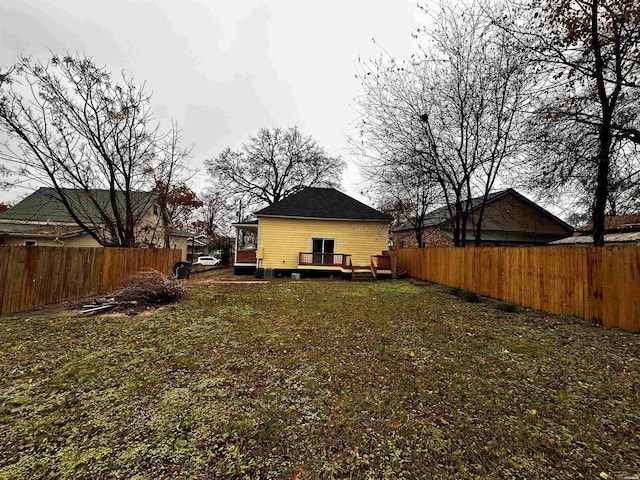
(509, 218)
(43, 219)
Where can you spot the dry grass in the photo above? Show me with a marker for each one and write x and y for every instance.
(318, 380)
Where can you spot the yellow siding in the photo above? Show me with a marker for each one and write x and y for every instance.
(284, 238)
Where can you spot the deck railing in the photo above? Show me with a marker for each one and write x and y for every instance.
(380, 262)
(246, 256)
(325, 259)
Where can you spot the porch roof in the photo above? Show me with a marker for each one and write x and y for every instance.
(251, 224)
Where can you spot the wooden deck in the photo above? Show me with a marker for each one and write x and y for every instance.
(380, 264)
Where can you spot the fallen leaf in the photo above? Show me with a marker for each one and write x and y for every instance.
(513, 463)
(547, 443)
(603, 475)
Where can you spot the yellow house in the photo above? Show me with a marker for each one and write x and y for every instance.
(316, 229)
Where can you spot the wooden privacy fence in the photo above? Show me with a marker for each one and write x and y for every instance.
(31, 277)
(601, 284)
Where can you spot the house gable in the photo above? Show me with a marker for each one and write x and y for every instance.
(512, 212)
(508, 218)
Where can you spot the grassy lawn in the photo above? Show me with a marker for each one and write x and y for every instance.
(318, 380)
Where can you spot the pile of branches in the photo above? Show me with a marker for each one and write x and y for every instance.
(151, 288)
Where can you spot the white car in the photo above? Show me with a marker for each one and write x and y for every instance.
(206, 262)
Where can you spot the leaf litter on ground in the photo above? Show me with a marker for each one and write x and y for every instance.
(315, 380)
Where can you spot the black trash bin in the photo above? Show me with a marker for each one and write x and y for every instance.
(181, 270)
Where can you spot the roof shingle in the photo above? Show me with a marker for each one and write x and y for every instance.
(45, 205)
(326, 203)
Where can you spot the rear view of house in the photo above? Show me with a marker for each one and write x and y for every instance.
(316, 229)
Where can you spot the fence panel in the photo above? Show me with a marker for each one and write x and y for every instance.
(31, 277)
(600, 284)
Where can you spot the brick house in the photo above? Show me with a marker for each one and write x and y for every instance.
(509, 219)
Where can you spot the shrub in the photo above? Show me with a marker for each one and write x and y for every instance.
(466, 295)
(507, 307)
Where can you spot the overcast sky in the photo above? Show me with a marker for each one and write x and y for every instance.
(223, 69)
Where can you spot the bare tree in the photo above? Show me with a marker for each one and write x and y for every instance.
(72, 126)
(405, 191)
(274, 164)
(214, 217)
(176, 201)
(454, 110)
(587, 121)
(5, 180)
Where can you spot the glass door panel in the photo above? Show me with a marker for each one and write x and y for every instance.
(323, 250)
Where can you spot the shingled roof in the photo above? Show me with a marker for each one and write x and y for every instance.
(440, 216)
(613, 223)
(326, 203)
(45, 205)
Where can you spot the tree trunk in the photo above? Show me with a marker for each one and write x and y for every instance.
(418, 231)
(478, 226)
(607, 105)
(602, 186)
(457, 225)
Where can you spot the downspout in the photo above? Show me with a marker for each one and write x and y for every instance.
(259, 260)
(235, 253)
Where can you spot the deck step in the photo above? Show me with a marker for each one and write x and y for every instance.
(362, 276)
